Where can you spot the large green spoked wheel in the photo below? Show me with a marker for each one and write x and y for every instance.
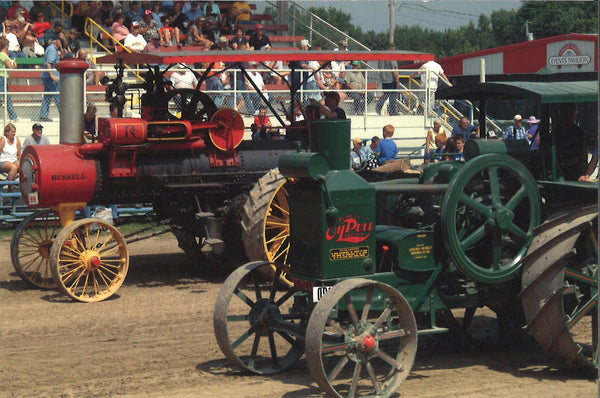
(488, 215)
(255, 325)
(30, 248)
(368, 355)
(89, 260)
(560, 287)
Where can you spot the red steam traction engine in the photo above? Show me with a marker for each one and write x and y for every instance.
(183, 155)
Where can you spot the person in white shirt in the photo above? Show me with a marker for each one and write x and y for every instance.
(134, 41)
(430, 72)
(183, 78)
(36, 137)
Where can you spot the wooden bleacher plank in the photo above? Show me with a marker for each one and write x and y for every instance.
(260, 17)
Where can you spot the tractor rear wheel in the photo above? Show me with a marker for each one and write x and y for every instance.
(361, 354)
(89, 260)
(560, 287)
(30, 248)
(266, 222)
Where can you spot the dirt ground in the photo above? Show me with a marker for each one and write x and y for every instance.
(154, 338)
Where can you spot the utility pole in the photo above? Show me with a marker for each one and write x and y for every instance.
(392, 12)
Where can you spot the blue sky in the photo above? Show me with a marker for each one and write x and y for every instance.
(434, 14)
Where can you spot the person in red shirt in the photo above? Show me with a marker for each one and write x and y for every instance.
(40, 27)
(13, 10)
(261, 128)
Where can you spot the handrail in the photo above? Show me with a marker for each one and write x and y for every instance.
(61, 9)
(89, 30)
(310, 28)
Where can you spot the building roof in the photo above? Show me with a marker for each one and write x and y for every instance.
(545, 93)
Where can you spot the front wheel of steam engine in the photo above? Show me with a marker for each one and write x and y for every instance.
(266, 222)
(255, 324)
(560, 287)
(89, 260)
(488, 215)
(370, 354)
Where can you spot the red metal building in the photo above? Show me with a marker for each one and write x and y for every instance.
(572, 56)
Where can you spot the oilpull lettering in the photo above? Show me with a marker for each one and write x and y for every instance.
(350, 230)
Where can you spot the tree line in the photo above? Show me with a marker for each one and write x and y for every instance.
(502, 27)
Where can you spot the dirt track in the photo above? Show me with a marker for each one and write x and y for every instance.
(154, 338)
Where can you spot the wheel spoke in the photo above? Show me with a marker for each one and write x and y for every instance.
(497, 251)
(336, 326)
(237, 318)
(328, 349)
(578, 277)
(383, 355)
(585, 309)
(373, 377)
(351, 310)
(514, 230)
(285, 297)
(494, 186)
(337, 369)
(256, 284)
(516, 198)
(475, 205)
(273, 349)
(391, 334)
(243, 297)
(244, 336)
(384, 315)
(355, 377)
(473, 238)
(367, 306)
(255, 344)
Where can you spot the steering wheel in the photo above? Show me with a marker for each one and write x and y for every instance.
(190, 104)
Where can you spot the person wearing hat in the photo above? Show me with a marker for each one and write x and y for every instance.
(134, 41)
(357, 155)
(331, 109)
(258, 40)
(516, 131)
(148, 26)
(355, 82)
(532, 133)
(195, 35)
(36, 137)
(311, 85)
(338, 68)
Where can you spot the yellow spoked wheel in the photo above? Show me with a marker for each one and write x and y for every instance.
(30, 248)
(266, 223)
(89, 260)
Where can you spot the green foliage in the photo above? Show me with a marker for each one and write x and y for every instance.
(502, 27)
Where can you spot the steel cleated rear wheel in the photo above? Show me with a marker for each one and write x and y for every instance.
(560, 287)
(255, 325)
(89, 260)
(368, 355)
(266, 222)
(30, 248)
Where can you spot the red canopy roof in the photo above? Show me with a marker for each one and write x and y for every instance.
(192, 57)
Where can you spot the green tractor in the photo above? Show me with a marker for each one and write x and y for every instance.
(373, 265)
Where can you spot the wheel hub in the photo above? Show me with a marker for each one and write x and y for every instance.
(44, 248)
(91, 260)
(367, 344)
(503, 218)
(266, 314)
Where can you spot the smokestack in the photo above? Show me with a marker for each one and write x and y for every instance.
(71, 100)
